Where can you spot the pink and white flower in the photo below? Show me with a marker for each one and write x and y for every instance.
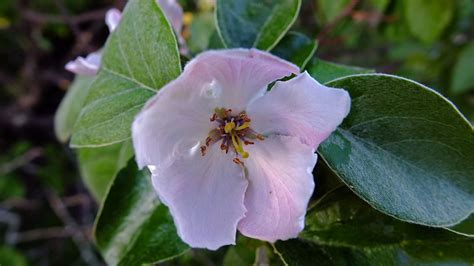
(89, 66)
(227, 155)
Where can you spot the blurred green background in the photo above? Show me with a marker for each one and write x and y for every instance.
(46, 213)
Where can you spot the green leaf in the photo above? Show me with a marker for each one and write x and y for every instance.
(11, 187)
(139, 58)
(379, 5)
(462, 79)
(99, 166)
(200, 31)
(465, 228)
(297, 48)
(328, 10)
(132, 227)
(249, 23)
(427, 19)
(244, 252)
(404, 149)
(70, 107)
(11, 257)
(343, 228)
(324, 71)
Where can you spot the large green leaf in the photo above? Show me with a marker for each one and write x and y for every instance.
(404, 149)
(249, 23)
(343, 229)
(324, 71)
(139, 58)
(462, 79)
(427, 19)
(297, 48)
(100, 165)
(70, 107)
(132, 227)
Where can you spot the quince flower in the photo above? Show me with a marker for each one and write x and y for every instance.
(227, 155)
(89, 65)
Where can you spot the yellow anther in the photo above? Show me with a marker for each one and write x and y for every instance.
(228, 127)
(243, 126)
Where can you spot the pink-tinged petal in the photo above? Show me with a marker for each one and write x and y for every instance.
(112, 18)
(177, 118)
(85, 66)
(280, 186)
(205, 195)
(300, 107)
(240, 75)
(173, 12)
(174, 121)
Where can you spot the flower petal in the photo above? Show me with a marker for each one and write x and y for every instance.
(173, 12)
(280, 186)
(205, 195)
(173, 121)
(85, 66)
(300, 107)
(177, 118)
(241, 74)
(112, 18)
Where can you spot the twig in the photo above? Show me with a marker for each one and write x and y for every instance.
(43, 233)
(78, 236)
(36, 17)
(18, 162)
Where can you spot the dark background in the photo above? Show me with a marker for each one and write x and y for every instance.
(46, 214)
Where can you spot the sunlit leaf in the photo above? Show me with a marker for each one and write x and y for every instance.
(139, 58)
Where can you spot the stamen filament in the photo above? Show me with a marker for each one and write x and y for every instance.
(243, 126)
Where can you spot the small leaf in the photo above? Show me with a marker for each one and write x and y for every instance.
(427, 19)
(343, 228)
(99, 166)
(405, 149)
(132, 227)
(462, 79)
(324, 71)
(11, 257)
(70, 107)
(139, 58)
(249, 23)
(297, 48)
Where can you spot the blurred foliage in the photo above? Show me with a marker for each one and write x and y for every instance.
(428, 41)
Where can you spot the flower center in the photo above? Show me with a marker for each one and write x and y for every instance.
(233, 131)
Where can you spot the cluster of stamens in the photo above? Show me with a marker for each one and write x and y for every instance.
(233, 131)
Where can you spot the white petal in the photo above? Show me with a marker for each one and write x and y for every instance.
(205, 195)
(112, 18)
(85, 66)
(241, 74)
(300, 107)
(280, 186)
(177, 118)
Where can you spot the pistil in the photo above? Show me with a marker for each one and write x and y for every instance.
(233, 131)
